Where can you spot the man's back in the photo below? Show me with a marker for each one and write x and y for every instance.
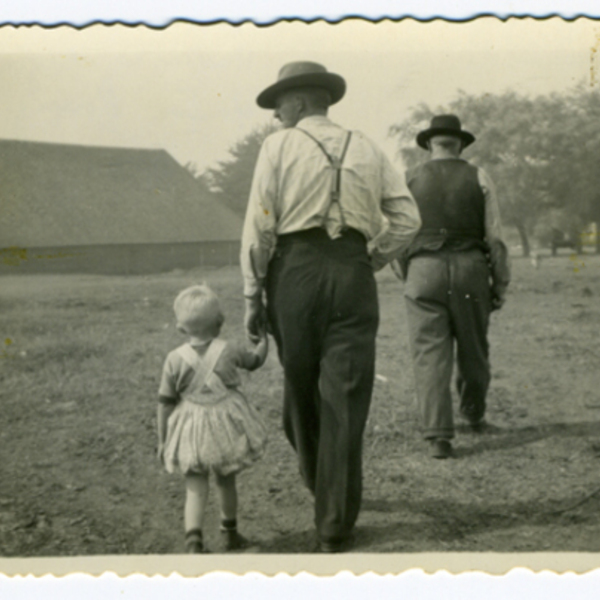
(302, 177)
(449, 196)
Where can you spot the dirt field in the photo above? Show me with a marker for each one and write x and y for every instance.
(80, 362)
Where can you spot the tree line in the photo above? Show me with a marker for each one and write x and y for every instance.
(543, 154)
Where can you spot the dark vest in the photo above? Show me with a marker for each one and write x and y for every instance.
(451, 203)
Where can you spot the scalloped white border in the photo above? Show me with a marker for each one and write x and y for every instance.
(159, 13)
(517, 584)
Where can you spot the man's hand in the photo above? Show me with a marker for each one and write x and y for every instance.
(254, 318)
(397, 269)
(378, 260)
(498, 297)
(498, 302)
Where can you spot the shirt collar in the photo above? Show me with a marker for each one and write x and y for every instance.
(449, 158)
(314, 119)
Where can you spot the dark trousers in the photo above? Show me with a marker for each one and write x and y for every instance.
(448, 302)
(323, 311)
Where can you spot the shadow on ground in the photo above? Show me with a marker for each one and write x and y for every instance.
(505, 438)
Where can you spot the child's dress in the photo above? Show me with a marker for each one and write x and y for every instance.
(213, 427)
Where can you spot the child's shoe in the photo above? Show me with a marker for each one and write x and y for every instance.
(440, 448)
(193, 542)
(232, 540)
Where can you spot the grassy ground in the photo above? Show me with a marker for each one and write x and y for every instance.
(79, 367)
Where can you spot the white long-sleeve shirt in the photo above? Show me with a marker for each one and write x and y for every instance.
(291, 192)
(499, 258)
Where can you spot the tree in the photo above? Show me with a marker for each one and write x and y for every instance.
(231, 179)
(503, 149)
(541, 152)
(201, 178)
(574, 148)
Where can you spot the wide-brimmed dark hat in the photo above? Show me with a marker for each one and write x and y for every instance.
(445, 125)
(303, 74)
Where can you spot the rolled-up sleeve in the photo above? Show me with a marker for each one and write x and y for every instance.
(499, 258)
(259, 235)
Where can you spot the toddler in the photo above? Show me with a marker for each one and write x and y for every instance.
(204, 422)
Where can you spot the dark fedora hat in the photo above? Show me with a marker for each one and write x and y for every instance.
(445, 125)
(302, 74)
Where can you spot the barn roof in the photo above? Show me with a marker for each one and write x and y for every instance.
(67, 195)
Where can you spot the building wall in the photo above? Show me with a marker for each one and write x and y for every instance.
(118, 259)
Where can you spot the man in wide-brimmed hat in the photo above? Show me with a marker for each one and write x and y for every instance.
(456, 272)
(325, 208)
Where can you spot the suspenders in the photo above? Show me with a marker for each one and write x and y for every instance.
(336, 164)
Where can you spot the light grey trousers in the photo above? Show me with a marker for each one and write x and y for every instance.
(448, 301)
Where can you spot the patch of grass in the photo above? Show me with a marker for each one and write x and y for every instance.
(78, 393)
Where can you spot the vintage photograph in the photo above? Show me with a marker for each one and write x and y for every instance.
(307, 289)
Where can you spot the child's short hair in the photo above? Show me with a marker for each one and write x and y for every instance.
(197, 310)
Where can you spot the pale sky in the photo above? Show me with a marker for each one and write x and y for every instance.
(191, 89)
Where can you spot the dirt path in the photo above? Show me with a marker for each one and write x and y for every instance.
(79, 372)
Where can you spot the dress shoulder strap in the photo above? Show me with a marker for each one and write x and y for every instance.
(190, 356)
(213, 354)
(203, 366)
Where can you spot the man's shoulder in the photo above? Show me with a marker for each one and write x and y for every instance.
(174, 360)
(275, 137)
(453, 163)
(278, 139)
(480, 170)
(475, 172)
(415, 170)
(483, 177)
(329, 127)
(473, 167)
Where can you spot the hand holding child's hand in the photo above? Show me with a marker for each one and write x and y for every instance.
(262, 331)
(261, 343)
(378, 260)
(254, 317)
(498, 296)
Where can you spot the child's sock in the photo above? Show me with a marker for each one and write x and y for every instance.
(193, 541)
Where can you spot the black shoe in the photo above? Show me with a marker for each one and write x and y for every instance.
(195, 548)
(232, 540)
(336, 546)
(478, 426)
(440, 448)
(482, 426)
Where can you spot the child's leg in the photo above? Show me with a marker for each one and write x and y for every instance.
(228, 500)
(227, 495)
(196, 497)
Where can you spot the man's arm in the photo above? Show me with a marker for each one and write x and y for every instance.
(499, 258)
(402, 214)
(404, 224)
(258, 241)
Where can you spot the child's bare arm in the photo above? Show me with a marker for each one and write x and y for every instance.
(163, 412)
